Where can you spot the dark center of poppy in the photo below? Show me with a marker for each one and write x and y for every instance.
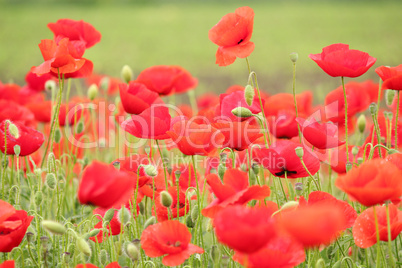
(241, 40)
(281, 173)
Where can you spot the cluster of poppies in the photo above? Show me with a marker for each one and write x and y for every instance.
(251, 144)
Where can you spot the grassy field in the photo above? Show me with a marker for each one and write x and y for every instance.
(162, 32)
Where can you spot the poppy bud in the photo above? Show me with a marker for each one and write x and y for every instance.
(13, 129)
(103, 257)
(57, 135)
(83, 246)
(50, 85)
(320, 264)
(123, 215)
(104, 83)
(221, 171)
(51, 181)
(38, 198)
(126, 73)
(355, 150)
(150, 170)
(348, 166)
(166, 199)
(393, 151)
(389, 96)
(299, 152)
(194, 213)
(142, 208)
(249, 94)
(373, 108)
(290, 205)
(189, 222)
(17, 150)
(132, 252)
(109, 215)
(92, 92)
(215, 254)
(361, 123)
(242, 112)
(53, 227)
(149, 222)
(80, 127)
(51, 165)
(94, 232)
(360, 160)
(256, 168)
(294, 57)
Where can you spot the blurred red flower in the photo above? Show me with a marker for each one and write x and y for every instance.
(232, 34)
(339, 60)
(89, 265)
(136, 97)
(7, 264)
(170, 239)
(392, 77)
(104, 186)
(166, 80)
(370, 185)
(230, 101)
(37, 82)
(162, 211)
(17, 113)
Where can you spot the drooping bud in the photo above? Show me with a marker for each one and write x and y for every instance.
(189, 222)
(142, 208)
(355, 150)
(80, 127)
(92, 92)
(393, 151)
(17, 150)
(221, 171)
(166, 199)
(38, 198)
(389, 96)
(290, 205)
(149, 222)
(249, 94)
(126, 73)
(51, 181)
(94, 232)
(103, 257)
(242, 112)
(57, 135)
(123, 215)
(361, 123)
(132, 252)
(83, 246)
(150, 170)
(109, 215)
(299, 152)
(373, 108)
(294, 56)
(194, 213)
(50, 85)
(215, 254)
(53, 227)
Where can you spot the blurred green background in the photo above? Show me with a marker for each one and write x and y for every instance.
(145, 33)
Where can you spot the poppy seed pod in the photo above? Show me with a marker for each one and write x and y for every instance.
(373, 108)
(249, 94)
(242, 112)
(294, 57)
(166, 199)
(126, 73)
(17, 150)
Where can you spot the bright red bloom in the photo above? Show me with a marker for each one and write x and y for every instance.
(314, 225)
(170, 239)
(37, 82)
(187, 176)
(102, 81)
(228, 102)
(136, 97)
(43, 111)
(195, 139)
(364, 231)
(321, 136)
(75, 31)
(337, 159)
(16, 113)
(281, 157)
(166, 80)
(232, 34)
(281, 252)
(104, 186)
(132, 164)
(8, 264)
(153, 123)
(235, 190)
(29, 139)
(244, 229)
(162, 211)
(392, 77)
(207, 100)
(370, 185)
(89, 265)
(13, 225)
(339, 60)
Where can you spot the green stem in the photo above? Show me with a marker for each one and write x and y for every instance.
(346, 118)
(295, 101)
(396, 124)
(378, 238)
(311, 176)
(391, 256)
(163, 163)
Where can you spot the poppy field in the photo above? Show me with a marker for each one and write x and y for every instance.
(106, 171)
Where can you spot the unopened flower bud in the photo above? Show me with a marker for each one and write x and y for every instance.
(249, 94)
(150, 170)
(57, 135)
(94, 232)
(320, 263)
(355, 150)
(13, 129)
(51, 165)
(109, 215)
(389, 96)
(50, 85)
(393, 151)
(92, 92)
(142, 208)
(215, 254)
(299, 152)
(166, 199)
(17, 150)
(83, 246)
(51, 181)
(194, 213)
(30, 236)
(373, 108)
(189, 222)
(221, 171)
(38, 198)
(104, 83)
(149, 222)
(103, 257)
(123, 215)
(53, 227)
(80, 127)
(294, 57)
(349, 166)
(242, 112)
(126, 73)
(290, 205)
(361, 123)
(132, 252)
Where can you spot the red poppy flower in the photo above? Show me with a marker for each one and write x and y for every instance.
(132, 164)
(136, 97)
(13, 225)
(187, 176)
(228, 102)
(195, 139)
(29, 139)
(235, 190)
(395, 159)
(162, 211)
(170, 239)
(370, 185)
(104, 186)
(16, 113)
(43, 111)
(314, 225)
(364, 231)
(232, 34)
(103, 80)
(37, 82)
(8, 264)
(322, 136)
(89, 265)
(318, 198)
(75, 31)
(244, 229)
(339, 60)
(392, 77)
(281, 157)
(238, 135)
(337, 159)
(282, 251)
(166, 80)
(155, 185)
(207, 100)
(152, 123)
